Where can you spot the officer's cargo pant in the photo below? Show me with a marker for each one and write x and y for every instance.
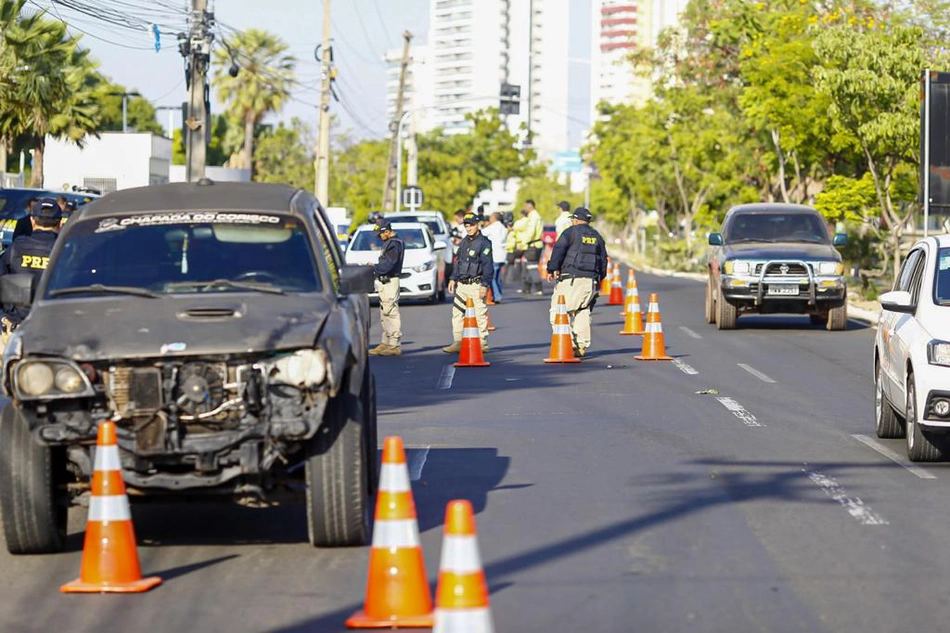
(579, 293)
(389, 320)
(532, 276)
(464, 292)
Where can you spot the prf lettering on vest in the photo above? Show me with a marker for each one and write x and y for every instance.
(35, 262)
(588, 240)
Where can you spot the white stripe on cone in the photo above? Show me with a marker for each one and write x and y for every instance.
(562, 329)
(394, 478)
(469, 313)
(104, 508)
(460, 555)
(470, 332)
(396, 533)
(107, 458)
(463, 621)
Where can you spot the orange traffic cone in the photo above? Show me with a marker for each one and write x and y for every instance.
(633, 318)
(488, 325)
(471, 353)
(654, 347)
(490, 298)
(562, 344)
(461, 597)
(110, 561)
(605, 283)
(616, 291)
(397, 593)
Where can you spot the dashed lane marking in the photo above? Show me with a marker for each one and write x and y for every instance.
(755, 372)
(445, 379)
(861, 512)
(685, 368)
(740, 412)
(894, 457)
(416, 461)
(690, 333)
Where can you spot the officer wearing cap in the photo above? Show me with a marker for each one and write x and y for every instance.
(579, 263)
(387, 271)
(471, 279)
(563, 220)
(30, 253)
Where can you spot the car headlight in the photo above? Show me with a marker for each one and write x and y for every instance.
(737, 267)
(303, 368)
(423, 267)
(830, 268)
(34, 379)
(938, 353)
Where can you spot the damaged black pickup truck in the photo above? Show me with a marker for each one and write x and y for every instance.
(217, 325)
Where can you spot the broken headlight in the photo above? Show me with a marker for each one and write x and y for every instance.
(36, 379)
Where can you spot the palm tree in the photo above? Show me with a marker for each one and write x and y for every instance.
(262, 85)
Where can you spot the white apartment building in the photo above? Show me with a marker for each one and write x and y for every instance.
(476, 45)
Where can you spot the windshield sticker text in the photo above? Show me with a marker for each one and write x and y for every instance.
(159, 219)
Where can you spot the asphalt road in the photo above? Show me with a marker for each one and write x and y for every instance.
(610, 495)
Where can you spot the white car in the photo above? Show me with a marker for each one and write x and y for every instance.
(423, 266)
(912, 353)
(436, 223)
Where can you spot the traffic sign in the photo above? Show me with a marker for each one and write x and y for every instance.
(566, 162)
(412, 197)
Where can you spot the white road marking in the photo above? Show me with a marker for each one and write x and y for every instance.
(740, 412)
(445, 380)
(416, 461)
(894, 457)
(690, 333)
(855, 507)
(685, 368)
(755, 372)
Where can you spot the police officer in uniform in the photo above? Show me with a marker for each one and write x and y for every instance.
(30, 254)
(471, 279)
(579, 264)
(387, 271)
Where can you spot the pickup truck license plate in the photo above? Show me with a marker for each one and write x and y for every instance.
(783, 290)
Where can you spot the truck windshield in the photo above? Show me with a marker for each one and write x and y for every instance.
(777, 227)
(186, 252)
(942, 280)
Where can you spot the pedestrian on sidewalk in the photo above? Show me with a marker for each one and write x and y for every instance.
(497, 234)
(579, 264)
(387, 271)
(471, 279)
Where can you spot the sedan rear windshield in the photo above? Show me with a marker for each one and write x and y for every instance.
(429, 221)
(186, 252)
(369, 241)
(776, 227)
(942, 281)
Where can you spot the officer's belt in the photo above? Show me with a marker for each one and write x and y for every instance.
(469, 280)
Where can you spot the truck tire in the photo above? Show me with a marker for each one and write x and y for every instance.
(710, 302)
(337, 494)
(33, 499)
(838, 318)
(725, 314)
(370, 427)
(886, 422)
(921, 446)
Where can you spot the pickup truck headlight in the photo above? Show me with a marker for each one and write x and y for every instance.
(35, 379)
(304, 368)
(938, 353)
(737, 267)
(423, 267)
(829, 268)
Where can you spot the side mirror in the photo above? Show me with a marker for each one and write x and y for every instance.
(715, 239)
(897, 301)
(439, 245)
(840, 239)
(17, 290)
(354, 280)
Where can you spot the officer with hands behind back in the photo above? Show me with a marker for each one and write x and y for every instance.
(579, 263)
(30, 254)
(387, 270)
(471, 279)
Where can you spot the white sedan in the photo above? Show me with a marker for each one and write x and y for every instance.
(423, 267)
(912, 353)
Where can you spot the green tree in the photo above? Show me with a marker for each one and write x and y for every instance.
(547, 189)
(140, 114)
(285, 155)
(357, 172)
(262, 85)
(218, 150)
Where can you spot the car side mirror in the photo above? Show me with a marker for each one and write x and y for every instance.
(354, 280)
(17, 290)
(898, 301)
(715, 239)
(439, 245)
(840, 239)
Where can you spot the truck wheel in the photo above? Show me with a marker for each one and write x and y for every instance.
(710, 302)
(838, 318)
(33, 500)
(725, 314)
(921, 446)
(886, 422)
(337, 495)
(369, 422)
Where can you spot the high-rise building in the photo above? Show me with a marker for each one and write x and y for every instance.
(418, 92)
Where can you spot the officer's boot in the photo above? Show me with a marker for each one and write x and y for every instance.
(454, 348)
(379, 350)
(391, 350)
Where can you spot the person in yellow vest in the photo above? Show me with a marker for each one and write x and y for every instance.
(516, 236)
(563, 220)
(532, 233)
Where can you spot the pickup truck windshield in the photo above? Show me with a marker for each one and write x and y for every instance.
(942, 281)
(185, 252)
(776, 227)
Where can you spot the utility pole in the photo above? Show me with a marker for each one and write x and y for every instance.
(412, 154)
(530, 115)
(322, 161)
(196, 48)
(392, 173)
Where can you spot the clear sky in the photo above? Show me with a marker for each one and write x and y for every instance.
(362, 30)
